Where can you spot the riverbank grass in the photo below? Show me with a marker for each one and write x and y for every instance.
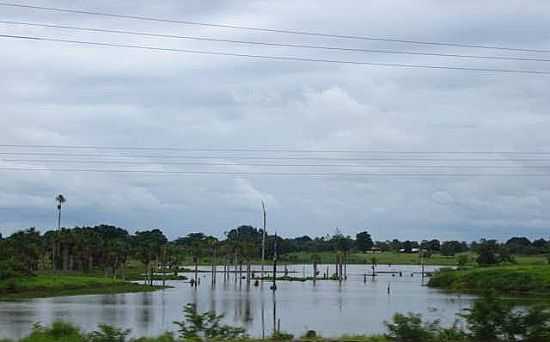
(52, 285)
(532, 280)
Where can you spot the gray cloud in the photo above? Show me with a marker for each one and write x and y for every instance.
(75, 95)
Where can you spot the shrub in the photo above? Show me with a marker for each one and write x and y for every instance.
(206, 327)
(108, 333)
(59, 331)
(411, 328)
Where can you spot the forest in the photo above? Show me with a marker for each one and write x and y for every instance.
(109, 249)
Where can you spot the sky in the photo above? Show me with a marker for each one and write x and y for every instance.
(182, 107)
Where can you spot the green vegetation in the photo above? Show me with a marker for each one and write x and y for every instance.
(108, 252)
(489, 319)
(383, 258)
(64, 285)
(530, 280)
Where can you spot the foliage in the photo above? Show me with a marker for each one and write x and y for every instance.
(411, 328)
(107, 333)
(491, 253)
(528, 280)
(206, 327)
(59, 331)
(450, 248)
(55, 285)
(462, 260)
(491, 319)
(363, 241)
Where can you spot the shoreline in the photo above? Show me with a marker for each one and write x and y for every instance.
(49, 286)
(513, 282)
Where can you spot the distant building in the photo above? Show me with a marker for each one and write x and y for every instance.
(413, 250)
(374, 250)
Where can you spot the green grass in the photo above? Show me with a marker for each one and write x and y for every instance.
(50, 285)
(532, 280)
(393, 258)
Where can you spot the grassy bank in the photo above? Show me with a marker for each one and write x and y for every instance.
(363, 258)
(396, 258)
(393, 258)
(65, 285)
(530, 280)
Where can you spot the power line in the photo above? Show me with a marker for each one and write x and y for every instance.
(230, 173)
(233, 157)
(256, 149)
(271, 30)
(248, 42)
(377, 166)
(277, 58)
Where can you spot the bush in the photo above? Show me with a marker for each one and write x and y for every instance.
(206, 327)
(282, 336)
(411, 328)
(107, 333)
(59, 331)
(491, 319)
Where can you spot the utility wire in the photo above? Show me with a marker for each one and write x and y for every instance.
(402, 166)
(257, 149)
(334, 174)
(271, 30)
(233, 157)
(248, 42)
(278, 58)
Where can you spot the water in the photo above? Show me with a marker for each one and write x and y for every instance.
(329, 307)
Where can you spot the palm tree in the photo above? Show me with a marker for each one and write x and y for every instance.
(60, 200)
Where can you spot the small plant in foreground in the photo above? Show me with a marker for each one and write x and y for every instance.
(206, 327)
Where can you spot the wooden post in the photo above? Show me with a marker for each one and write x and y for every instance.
(274, 286)
(263, 240)
(196, 261)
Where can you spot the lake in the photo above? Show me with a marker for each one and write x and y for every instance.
(330, 307)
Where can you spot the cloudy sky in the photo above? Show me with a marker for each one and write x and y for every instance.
(257, 120)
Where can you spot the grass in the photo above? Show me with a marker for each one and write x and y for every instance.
(50, 285)
(532, 280)
(393, 258)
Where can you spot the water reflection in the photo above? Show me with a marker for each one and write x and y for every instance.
(330, 307)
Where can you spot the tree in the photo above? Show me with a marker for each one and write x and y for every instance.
(433, 245)
(450, 248)
(492, 319)
(363, 241)
(21, 253)
(487, 253)
(520, 245)
(147, 247)
(341, 243)
(60, 201)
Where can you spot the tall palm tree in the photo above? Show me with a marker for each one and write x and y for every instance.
(60, 200)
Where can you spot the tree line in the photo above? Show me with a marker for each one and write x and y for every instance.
(108, 248)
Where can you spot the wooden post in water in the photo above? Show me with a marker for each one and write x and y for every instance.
(422, 265)
(196, 261)
(163, 265)
(274, 286)
(214, 262)
(263, 240)
(346, 265)
(338, 266)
